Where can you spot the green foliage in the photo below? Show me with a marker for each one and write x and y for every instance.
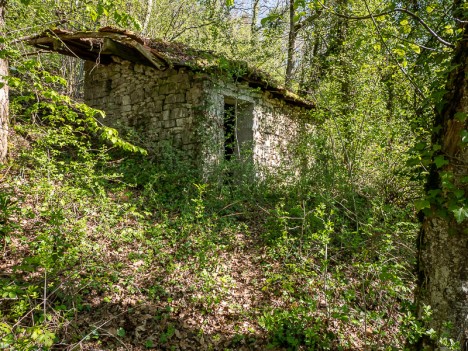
(8, 208)
(184, 225)
(43, 104)
(294, 328)
(105, 9)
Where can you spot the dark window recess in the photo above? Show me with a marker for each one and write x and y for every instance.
(229, 131)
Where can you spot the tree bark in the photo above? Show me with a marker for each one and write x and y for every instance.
(253, 23)
(291, 45)
(443, 242)
(3, 91)
(149, 9)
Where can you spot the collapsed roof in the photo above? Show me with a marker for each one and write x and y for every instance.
(102, 45)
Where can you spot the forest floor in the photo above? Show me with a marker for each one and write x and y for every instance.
(92, 261)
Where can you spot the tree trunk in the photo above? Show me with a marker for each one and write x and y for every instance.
(443, 241)
(253, 24)
(3, 92)
(149, 9)
(291, 45)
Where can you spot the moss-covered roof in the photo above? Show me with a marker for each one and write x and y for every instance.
(100, 46)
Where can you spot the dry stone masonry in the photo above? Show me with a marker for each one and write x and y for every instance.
(159, 105)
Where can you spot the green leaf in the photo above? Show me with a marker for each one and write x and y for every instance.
(25, 2)
(460, 214)
(298, 16)
(464, 136)
(399, 52)
(149, 344)
(229, 3)
(5, 328)
(270, 18)
(440, 161)
(404, 22)
(299, 3)
(121, 332)
(460, 116)
(448, 29)
(92, 12)
(420, 146)
(415, 48)
(429, 8)
(421, 204)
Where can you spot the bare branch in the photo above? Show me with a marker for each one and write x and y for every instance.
(55, 22)
(398, 9)
(416, 87)
(298, 26)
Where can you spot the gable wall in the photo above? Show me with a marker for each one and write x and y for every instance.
(161, 106)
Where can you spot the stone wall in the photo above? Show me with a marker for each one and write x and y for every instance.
(186, 110)
(272, 129)
(161, 106)
(277, 131)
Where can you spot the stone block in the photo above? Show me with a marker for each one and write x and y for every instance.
(116, 83)
(185, 85)
(170, 99)
(180, 98)
(169, 124)
(178, 113)
(167, 88)
(168, 107)
(177, 78)
(174, 98)
(158, 106)
(126, 100)
(136, 96)
(181, 122)
(178, 139)
(148, 88)
(194, 95)
(139, 68)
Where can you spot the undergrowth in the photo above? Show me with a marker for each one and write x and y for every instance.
(105, 247)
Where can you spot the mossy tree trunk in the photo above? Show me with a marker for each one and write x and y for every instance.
(443, 242)
(3, 91)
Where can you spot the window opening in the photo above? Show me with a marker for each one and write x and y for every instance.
(238, 127)
(229, 130)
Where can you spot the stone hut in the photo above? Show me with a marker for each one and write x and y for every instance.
(201, 104)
